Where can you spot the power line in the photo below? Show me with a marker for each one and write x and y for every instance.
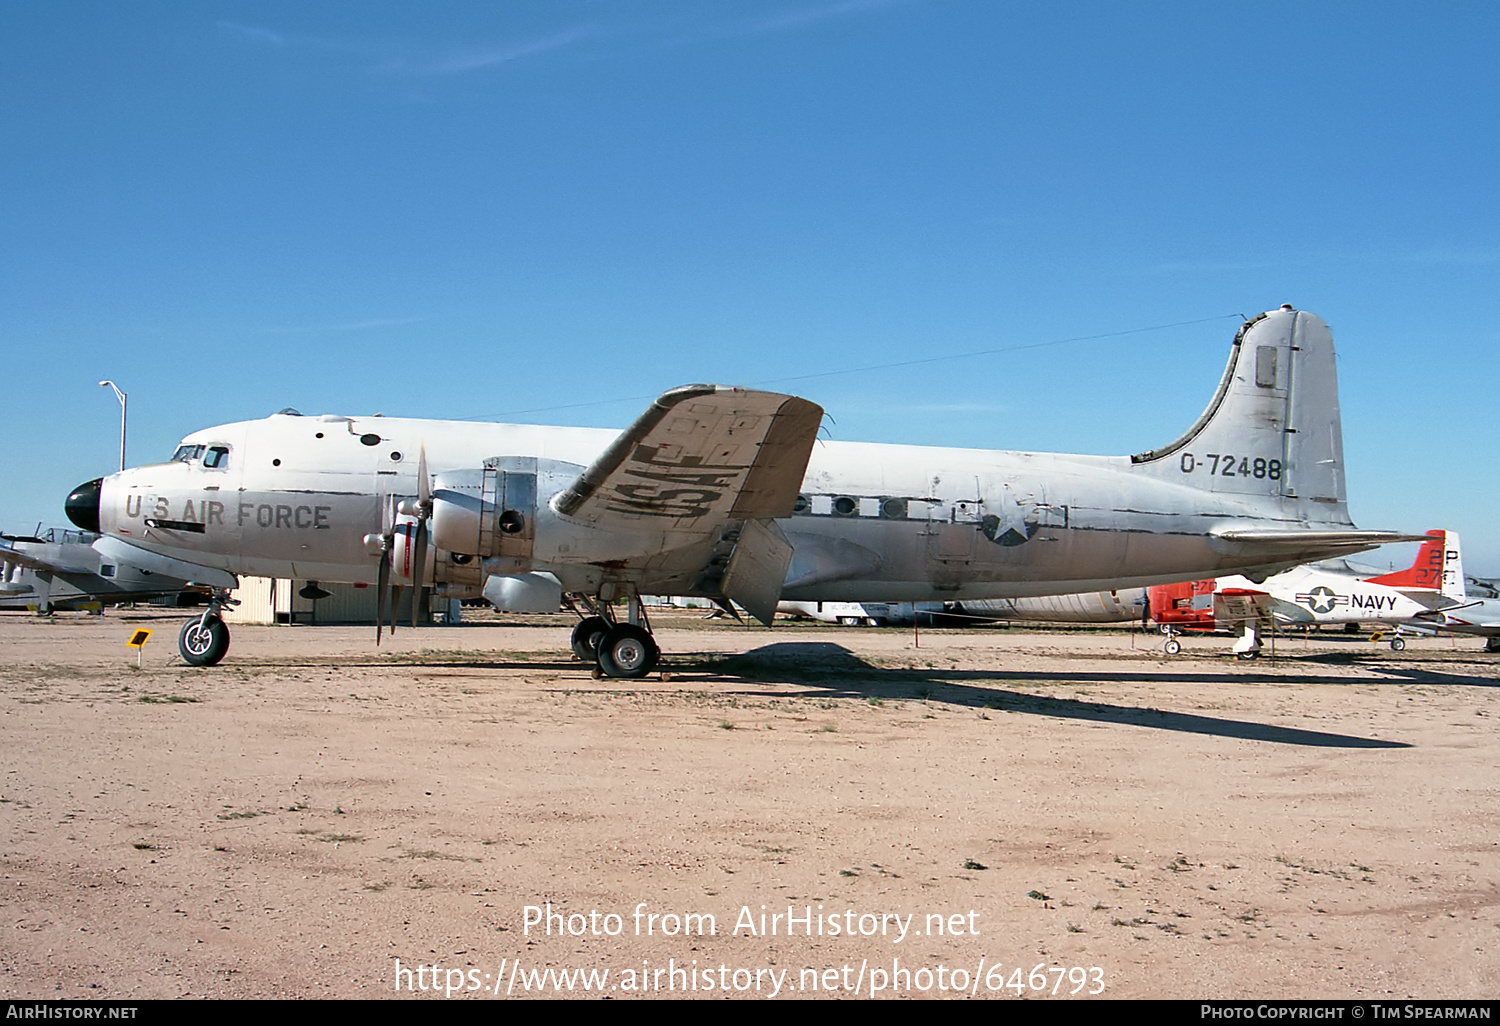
(1074, 340)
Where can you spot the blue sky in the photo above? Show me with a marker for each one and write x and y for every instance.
(548, 211)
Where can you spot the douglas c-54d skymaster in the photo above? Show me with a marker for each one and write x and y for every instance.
(723, 493)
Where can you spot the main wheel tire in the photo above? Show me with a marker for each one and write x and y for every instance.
(627, 651)
(1492, 644)
(203, 641)
(1247, 656)
(1398, 644)
(586, 637)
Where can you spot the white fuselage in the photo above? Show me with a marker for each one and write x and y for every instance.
(293, 496)
(1308, 595)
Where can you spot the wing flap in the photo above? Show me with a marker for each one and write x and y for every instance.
(757, 569)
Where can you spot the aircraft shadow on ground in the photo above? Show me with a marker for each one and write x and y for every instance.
(836, 672)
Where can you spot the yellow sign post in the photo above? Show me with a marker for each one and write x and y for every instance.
(138, 641)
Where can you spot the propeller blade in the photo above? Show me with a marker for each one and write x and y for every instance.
(383, 578)
(418, 566)
(418, 548)
(382, 589)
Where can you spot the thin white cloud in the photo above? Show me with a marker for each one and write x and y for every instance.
(1474, 257)
(795, 19)
(369, 324)
(397, 59)
(253, 33)
(789, 20)
(478, 58)
(1207, 266)
(400, 59)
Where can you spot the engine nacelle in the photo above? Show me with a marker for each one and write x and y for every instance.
(439, 567)
(489, 512)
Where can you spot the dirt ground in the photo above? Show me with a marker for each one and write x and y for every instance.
(791, 812)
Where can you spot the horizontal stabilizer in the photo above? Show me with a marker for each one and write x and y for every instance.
(1278, 543)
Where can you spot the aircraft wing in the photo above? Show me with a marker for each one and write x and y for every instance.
(1238, 606)
(117, 550)
(1481, 616)
(705, 468)
(10, 554)
(699, 457)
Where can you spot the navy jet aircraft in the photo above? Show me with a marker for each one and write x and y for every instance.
(722, 493)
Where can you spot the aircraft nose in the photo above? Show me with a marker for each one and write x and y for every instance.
(82, 505)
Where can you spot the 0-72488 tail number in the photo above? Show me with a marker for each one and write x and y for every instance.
(1225, 465)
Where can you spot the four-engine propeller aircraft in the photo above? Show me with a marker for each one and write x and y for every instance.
(725, 493)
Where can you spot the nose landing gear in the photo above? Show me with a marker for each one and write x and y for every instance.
(204, 640)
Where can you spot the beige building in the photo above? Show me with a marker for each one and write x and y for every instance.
(266, 600)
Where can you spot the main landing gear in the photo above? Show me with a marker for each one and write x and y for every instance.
(205, 639)
(1171, 646)
(623, 650)
(1248, 646)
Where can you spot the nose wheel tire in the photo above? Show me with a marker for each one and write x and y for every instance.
(627, 651)
(586, 637)
(203, 641)
(1398, 644)
(1172, 647)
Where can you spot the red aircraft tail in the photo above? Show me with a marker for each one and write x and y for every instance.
(1426, 572)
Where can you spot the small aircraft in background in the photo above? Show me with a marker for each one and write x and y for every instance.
(1477, 609)
(60, 569)
(1479, 616)
(1315, 595)
(867, 614)
(726, 494)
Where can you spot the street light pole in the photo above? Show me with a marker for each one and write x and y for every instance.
(120, 396)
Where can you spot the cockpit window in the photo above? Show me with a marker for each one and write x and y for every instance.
(214, 457)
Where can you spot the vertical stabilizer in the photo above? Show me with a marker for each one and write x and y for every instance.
(1439, 567)
(1454, 585)
(1272, 429)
